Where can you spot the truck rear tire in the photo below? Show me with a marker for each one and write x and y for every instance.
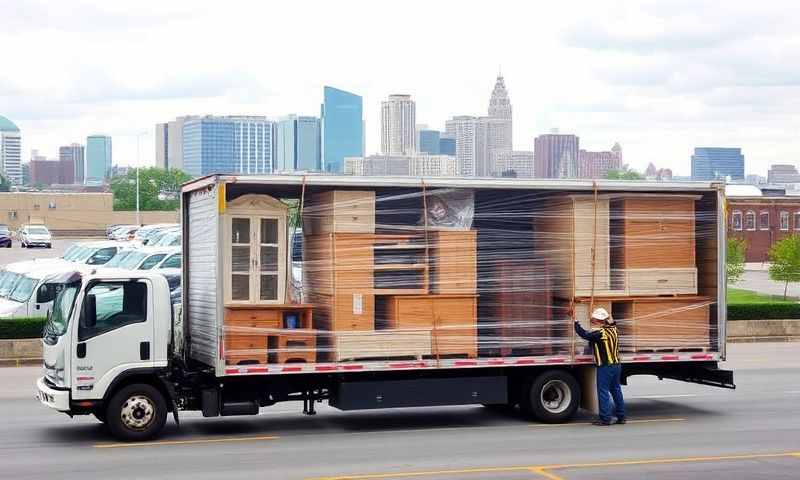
(136, 412)
(552, 397)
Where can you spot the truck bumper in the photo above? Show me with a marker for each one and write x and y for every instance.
(55, 399)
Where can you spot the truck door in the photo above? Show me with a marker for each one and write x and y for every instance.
(115, 334)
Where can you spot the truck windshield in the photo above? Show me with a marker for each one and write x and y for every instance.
(62, 309)
(8, 283)
(23, 290)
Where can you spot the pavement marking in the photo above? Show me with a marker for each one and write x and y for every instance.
(543, 470)
(648, 420)
(186, 442)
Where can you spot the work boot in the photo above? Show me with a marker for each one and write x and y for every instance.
(621, 421)
(601, 423)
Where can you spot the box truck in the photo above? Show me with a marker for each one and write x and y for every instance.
(385, 292)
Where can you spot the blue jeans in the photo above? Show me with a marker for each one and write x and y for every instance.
(608, 387)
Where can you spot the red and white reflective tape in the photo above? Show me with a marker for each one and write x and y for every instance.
(454, 363)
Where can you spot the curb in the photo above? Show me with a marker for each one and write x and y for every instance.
(762, 339)
(20, 362)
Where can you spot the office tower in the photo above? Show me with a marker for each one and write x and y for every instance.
(169, 143)
(498, 128)
(98, 159)
(10, 151)
(73, 153)
(342, 128)
(428, 141)
(466, 131)
(398, 122)
(555, 156)
(232, 144)
(712, 163)
(447, 146)
(297, 143)
(597, 164)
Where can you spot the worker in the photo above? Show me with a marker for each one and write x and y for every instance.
(604, 342)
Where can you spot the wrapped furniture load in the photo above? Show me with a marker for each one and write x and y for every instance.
(399, 274)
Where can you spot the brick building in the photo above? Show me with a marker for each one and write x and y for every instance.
(762, 221)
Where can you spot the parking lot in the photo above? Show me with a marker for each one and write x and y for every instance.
(17, 253)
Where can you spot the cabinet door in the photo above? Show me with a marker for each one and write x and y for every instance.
(271, 257)
(241, 260)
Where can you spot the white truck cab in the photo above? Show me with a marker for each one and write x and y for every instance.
(106, 338)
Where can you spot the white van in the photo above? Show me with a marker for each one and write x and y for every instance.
(23, 297)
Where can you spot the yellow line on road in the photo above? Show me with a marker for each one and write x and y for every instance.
(543, 470)
(649, 420)
(186, 442)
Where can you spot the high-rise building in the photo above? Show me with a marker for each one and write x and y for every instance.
(75, 154)
(597, 164)
(10, 151)
(555, 156)
(342, 128)
(44, 171)
(447, 146)
(169, 143)
(398, 123)
(466, 131)
(712, 163)
(233, 144)
(515, 163)
(297, 143)
(428, 141)
(782, 175)
(498, 129)
(417, 164)
(98, 159)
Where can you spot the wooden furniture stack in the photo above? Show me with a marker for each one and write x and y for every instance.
(256, 334)
(426, 284)
(645, 270)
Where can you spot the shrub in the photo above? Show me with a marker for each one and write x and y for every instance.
(15, 328)
(763, 311)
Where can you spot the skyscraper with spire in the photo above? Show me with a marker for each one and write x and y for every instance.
(498, 126)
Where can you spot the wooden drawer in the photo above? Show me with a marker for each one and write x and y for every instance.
(456, 341)
(246, 359)
(234, 342)
(340, 211)
(661, 281)
(293, 347)
(382, 344)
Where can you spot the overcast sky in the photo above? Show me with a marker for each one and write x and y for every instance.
(658, 77)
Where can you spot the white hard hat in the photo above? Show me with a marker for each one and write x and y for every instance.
(600, 313)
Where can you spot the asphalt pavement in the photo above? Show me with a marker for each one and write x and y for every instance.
(677, 431)
(17, 253)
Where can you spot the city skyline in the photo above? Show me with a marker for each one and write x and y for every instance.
(654, 77)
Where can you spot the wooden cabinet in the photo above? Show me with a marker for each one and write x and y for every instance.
(453, 261)
(339, 211)
(259, 334)
(452, 318)
(255, 250)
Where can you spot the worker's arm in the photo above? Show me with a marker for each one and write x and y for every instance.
(590, 336)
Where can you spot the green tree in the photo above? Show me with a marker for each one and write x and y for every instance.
(5, 185)
(624, 173)
(158, 189)
(785, 258)
(734, 263)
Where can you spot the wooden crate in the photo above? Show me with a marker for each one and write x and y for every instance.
(453, 261)
(517, 312)
(656, 323)
(382, 344)
(452, 318)
(339, 211)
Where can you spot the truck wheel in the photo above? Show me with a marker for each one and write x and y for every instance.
(136, 412)
(100, 415)
(552, 397)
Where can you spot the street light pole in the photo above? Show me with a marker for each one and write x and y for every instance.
(138, 165)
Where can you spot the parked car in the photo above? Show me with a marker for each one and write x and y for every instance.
(170, 238)
(24, 299)
(94, 253)
(155, 238)
(143, 234)
(124, 232)
(147, 258)
(5, 237)
(35, 235)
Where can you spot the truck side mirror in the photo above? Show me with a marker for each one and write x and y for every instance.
(89, 311)
(45, 293)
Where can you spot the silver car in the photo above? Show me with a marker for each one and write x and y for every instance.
(35, 236)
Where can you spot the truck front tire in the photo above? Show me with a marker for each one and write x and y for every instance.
(552, 397)
(136, 412)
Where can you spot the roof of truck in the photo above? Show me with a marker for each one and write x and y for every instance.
(443, 182)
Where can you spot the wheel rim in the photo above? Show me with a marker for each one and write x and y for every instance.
(138, 412)
(556, 396)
